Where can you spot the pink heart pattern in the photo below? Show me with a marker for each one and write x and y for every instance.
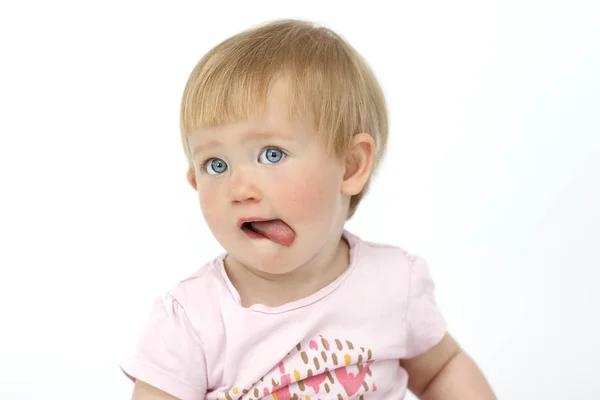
(351, 382)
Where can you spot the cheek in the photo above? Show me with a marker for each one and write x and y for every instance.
(208, 197)
(311, 194)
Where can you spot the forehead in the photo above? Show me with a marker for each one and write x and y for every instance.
(239, 133)
(277, 122)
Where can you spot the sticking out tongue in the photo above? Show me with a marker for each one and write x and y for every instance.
(275, 230)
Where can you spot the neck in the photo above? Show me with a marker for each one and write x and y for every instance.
(257, 287)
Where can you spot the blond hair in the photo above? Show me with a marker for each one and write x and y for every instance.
(327, 78)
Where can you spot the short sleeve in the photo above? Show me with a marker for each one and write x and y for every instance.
(425, 324)
(169, 356)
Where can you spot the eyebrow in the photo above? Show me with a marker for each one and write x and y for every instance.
(213, 143)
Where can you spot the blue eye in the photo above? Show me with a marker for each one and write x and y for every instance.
(215, 166)
(271, 155)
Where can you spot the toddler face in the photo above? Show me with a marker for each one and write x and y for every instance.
(274, 170)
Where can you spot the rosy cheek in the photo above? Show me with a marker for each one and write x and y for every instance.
(308, 195)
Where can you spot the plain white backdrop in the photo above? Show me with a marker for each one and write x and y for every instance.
(492, 175)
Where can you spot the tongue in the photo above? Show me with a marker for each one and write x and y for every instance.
(276, 230)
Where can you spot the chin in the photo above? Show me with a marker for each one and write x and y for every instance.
(268, 262)
(271, 265)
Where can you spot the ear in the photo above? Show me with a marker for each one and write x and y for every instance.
(359, 164)
(191, 178)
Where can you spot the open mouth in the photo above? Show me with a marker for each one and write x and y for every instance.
(273, 229)
(247, 228)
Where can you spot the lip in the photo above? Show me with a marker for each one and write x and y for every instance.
(242, 221)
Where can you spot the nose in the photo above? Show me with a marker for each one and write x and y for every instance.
(243, 187)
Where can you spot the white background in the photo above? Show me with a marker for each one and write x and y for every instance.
(492, 175)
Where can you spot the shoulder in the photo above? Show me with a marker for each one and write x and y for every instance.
(390, 265)
(384, 254)
(200, 297)
(206, 283)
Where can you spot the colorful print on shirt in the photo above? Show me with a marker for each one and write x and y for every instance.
(313, 370)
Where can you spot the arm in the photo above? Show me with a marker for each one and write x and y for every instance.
(445, 372)
(143, 391)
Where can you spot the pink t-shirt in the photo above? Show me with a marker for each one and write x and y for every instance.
(344, 341)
